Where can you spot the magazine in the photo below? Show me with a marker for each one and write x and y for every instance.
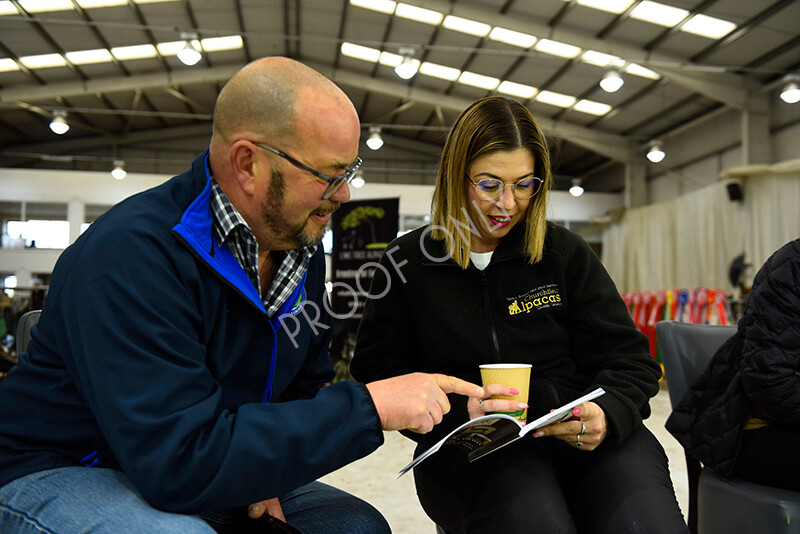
(486, 434)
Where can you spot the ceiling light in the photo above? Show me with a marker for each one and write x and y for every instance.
(591, 107)
(600, 59)
(612, 80)
(43, 61)
(656, 153)
(791, 91)
(611, 6)
(123, 53)
(8, 65)
(710, 27)
(576, 190)
(638, 70)
(87, 57)
(384, 6)
(59, 123)
(409, 66)
(374, 141)
(190, 54)
(119, 172)
(228, 42)
(358, 180)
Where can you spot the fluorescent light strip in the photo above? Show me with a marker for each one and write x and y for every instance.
(600, 59)
(612, 6)
(638, 70)
(657, 13)
(86, 57)
(125, 53)
(43, 61)
(363, 53)
(218, 44)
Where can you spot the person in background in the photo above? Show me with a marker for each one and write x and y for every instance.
(491, 281)
(174, 382)
(741, 417)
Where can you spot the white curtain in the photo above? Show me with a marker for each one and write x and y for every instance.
(686, 242)
(690, 241)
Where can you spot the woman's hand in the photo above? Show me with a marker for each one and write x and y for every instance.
(585, 431)
(270, 507)
(479, 406)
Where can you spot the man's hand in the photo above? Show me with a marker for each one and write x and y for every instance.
(417, 401)
(270, 507)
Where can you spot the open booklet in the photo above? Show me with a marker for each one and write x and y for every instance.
(486, 434)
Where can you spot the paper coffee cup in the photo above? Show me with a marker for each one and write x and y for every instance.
(516, 375)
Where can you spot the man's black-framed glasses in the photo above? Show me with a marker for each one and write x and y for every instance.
(334, 182)
(492, 188)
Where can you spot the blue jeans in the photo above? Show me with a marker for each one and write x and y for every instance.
(72, 500)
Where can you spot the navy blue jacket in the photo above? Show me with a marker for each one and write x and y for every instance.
(154, 355)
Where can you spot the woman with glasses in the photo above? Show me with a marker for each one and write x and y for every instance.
(491, 281)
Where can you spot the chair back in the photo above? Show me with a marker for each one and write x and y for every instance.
(686, 349)
(24, 325)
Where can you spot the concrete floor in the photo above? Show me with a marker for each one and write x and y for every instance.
(374, 478)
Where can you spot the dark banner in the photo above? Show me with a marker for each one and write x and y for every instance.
(361, 231)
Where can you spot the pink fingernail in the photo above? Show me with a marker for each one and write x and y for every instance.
(514, 391)
(576, 411)
(522, 405)
(538, 434)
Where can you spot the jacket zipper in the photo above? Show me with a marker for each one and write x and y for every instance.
(490, 318)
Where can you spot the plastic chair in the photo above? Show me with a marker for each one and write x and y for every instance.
(24, 325)
(718, 505)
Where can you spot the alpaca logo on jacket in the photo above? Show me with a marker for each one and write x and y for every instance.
(537, 299)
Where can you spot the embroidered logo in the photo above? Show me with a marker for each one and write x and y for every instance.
(298, 305)
(536, 299)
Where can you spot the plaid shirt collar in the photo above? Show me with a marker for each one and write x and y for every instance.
(231, 228)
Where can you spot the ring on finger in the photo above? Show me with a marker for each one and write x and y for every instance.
(480, 405)
(578, 441)
(583, 429)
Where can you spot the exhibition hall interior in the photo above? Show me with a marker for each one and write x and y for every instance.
(673, 128)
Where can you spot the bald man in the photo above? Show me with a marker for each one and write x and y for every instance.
(175, 380)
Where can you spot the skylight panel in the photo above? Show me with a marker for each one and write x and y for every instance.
(471, 27)
(555, 99)
(439, 71)
(638, 70)
(43, 6)
(522, 40)
(556, 48)
(86, 57)
(7, 8)
(91, 4)
(419, 14)
(600, 59)
(591, 107)
(384, 6)
(172, 48)
(706, 26)
(228, 42)
(8, 65)
(517, 89)
(124, 53)
(657, 13)
(361, 52)
(43, 61)
(478, 80)
(611, 6)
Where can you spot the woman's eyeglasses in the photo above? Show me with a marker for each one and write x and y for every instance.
(492, 188)
(334, 182)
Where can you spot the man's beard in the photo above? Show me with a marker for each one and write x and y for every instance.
(297, 235)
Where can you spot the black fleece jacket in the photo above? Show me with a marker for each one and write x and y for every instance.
(563, 315)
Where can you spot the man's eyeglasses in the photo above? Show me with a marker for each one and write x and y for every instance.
(492, 188)
(334, 182)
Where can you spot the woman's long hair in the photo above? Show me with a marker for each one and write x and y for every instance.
(487, 125)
